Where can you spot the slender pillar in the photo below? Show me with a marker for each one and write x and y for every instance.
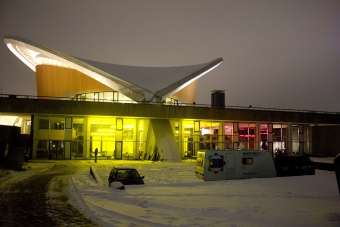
(257, 136)
(235, 135)
(289, 145)
(270, 138)
(301, 139)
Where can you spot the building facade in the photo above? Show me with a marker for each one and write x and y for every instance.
(83, 105)
(66, 129)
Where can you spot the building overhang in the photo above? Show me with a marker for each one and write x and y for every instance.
(135, 82)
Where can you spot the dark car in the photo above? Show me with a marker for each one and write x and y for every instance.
(125, 175)
(294, 165)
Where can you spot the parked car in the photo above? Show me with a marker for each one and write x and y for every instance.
(125, 175)
(294, 165)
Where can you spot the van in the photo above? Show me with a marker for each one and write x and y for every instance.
(213, 165)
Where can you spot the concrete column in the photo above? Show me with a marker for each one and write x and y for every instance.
(301, 139)
(257, 136)
(35, 126)
(165, 140)
(68, 128)
(196, 142)
(270, 137)
(87, 133)
(220, 136)
(289, 145)
(223, 144)
(235, 136)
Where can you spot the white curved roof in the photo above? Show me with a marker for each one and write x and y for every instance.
(138, 83)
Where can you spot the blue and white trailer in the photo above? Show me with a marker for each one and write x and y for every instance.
(213, 165)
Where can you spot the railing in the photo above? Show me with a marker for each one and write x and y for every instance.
(164, 103)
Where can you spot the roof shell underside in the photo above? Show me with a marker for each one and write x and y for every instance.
(152, 79)
(138, 83)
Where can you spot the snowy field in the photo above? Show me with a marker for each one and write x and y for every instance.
(173, 196)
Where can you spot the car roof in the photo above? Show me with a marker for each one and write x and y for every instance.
(292, 156)
(120, 167)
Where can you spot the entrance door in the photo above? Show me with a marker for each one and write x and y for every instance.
(230, 166)
(119, 149)
(56, 150)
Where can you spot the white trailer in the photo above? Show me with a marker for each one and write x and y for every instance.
(213, 165)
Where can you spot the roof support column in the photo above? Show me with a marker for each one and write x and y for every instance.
(235, 136)
(270, 138)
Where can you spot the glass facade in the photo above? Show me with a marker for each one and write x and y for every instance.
(103, 96)
(77, 137)
(280, 139)
(114, 137)
(247, 136)
(112, 96)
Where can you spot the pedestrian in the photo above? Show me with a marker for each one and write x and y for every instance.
(26, 155)
(95, 154)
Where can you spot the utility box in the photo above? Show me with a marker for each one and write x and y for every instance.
(218, 98)
(337, 170)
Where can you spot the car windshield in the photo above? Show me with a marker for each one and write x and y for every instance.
(292, 160)
(284, 160)
(304, 159)
(127, 173)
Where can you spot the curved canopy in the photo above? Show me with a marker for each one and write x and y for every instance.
(137, 83)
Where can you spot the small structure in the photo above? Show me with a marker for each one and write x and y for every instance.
(215, 165)
(217, 98)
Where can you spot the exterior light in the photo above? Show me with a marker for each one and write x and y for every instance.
(42, 60)
(24, 60)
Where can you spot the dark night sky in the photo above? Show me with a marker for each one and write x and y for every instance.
(277, 54)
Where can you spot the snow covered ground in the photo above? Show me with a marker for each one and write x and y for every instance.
(173, 196)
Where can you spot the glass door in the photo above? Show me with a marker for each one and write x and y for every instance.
(56, 150)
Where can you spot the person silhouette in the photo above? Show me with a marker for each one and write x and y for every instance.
(95, 154)
(26, 156)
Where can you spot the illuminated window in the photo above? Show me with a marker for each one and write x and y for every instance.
(247, 161)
